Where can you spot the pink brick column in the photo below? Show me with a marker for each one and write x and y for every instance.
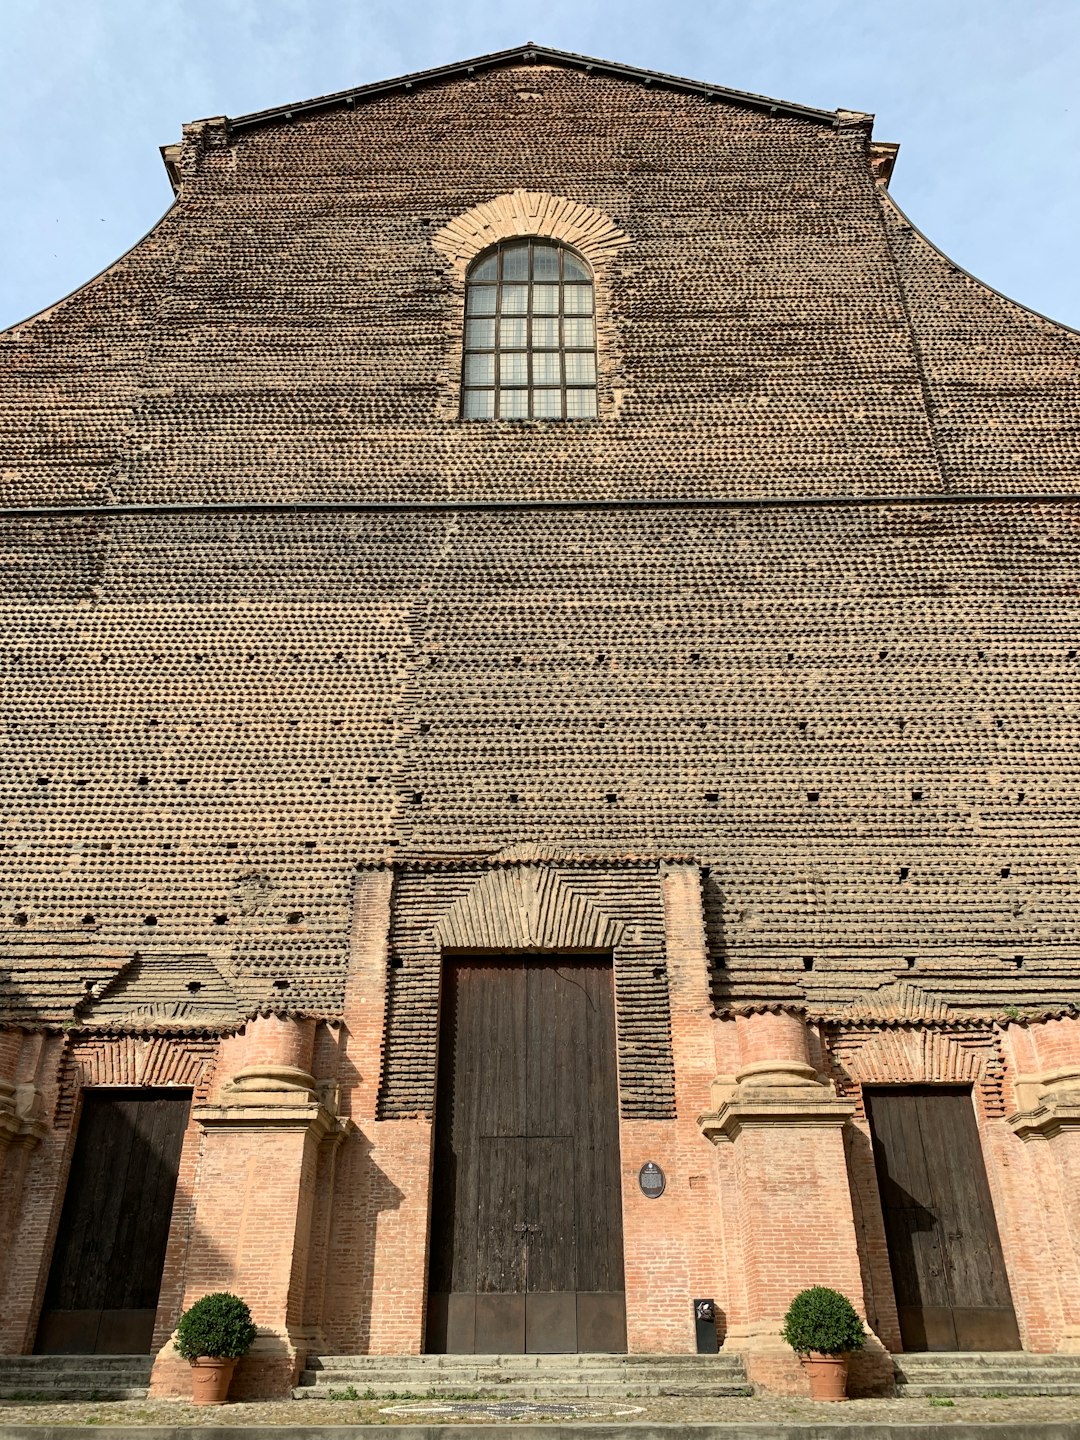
(254, 1201)
(1045, 1059)
(795, 1222)
(376, 1291)
(21, 1131)
(673, 1247)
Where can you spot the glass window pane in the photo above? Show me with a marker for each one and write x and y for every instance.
(581, 404)
(515, 299)
(546, 369)
(514, 404)
(512, 334)
(545, 262)
(547, 404)
(487, 269)
(545, 334)
(515, 260)
(580, 368)
(481, 300)
(479, 405)
(578, 299)
(578, 332)
(514, 368)
(480, 335)
(545, 299)
(479, 369)
(574, 269)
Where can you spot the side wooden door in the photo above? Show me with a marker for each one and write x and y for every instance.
(105, 1276)
(526, 1248)
(952, 1292)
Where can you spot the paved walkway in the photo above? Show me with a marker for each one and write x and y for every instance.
(415, 1418)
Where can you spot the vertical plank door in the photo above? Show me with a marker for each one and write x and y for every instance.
(526, 1246)
(105, 1276)
(952, 1292)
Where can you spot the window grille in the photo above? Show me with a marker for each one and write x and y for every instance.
(530, 337)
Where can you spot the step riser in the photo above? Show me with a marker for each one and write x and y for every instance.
(563, 1393)
(558, 1361)
(64, 1364)
(62, 1393)
(968, 1392)
(573, 1372)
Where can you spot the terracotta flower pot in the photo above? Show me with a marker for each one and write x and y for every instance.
(210, 1379)
(827, 1375)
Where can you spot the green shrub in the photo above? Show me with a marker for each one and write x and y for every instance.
(218, 1325)
(823, 1320)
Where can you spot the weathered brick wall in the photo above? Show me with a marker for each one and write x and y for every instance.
(863, 720)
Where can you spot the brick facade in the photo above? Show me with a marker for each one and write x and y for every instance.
(763, 683)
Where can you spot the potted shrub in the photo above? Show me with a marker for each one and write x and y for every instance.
(211, 1336)
(822, 1326)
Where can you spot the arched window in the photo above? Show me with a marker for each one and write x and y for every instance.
(530, 341)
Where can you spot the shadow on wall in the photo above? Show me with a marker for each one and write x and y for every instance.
(712, 899)
(350, 1215)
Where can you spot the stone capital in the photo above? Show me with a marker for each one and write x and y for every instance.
(1053, 1114)
(267, 1111)
(20, 1117)
(758, 1106)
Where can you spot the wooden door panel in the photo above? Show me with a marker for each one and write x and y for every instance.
(948, 1271)
(109, 1253)
(526, 1194)
(975, 1268)
(501, 1216)
(551, 1243)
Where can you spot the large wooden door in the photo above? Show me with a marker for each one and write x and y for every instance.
(110, 1248)
(526, 1242)
(948, 1271)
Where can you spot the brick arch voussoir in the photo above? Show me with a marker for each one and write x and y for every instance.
(530, 212)
(919, 1055)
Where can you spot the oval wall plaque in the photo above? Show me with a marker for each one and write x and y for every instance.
(652, 1181)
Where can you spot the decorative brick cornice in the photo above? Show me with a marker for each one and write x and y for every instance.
(530, 212)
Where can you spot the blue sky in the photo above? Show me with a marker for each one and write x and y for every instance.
(981, 95)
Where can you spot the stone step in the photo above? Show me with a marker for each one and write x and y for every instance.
(978, 1375)
(583, 1360)
(504, 1377)
(59, 1394)
(997, 1372)
(950, 1359)
(988, 1389)
(518, 1390)
(514, 1372)
(140, 1364)
(61, 1378)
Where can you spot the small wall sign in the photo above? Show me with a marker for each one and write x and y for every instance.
(652, 1180)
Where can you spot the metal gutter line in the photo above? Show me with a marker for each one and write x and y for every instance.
(442, 507)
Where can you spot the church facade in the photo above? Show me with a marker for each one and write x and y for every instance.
(541, 715)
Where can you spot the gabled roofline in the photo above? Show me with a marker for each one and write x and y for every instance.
(535, 54)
